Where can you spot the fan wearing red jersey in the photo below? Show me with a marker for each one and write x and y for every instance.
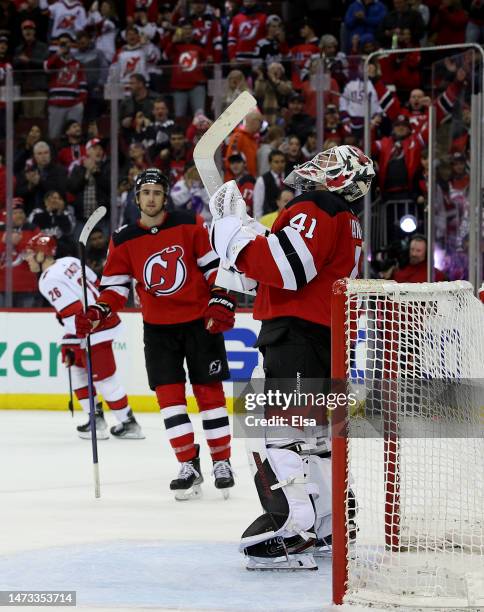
(315, 241)
(169, 255)
(60, 284)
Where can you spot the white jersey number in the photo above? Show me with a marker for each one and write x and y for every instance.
(298, 222)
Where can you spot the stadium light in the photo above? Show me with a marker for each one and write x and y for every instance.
(408, 223)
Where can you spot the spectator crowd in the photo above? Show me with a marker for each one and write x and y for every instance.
(165, 55)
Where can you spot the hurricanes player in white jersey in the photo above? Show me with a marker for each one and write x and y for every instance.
(60, 283)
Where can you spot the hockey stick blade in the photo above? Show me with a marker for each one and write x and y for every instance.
(204, 153)
(91, 223)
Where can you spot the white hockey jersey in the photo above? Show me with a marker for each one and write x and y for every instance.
(61, 285)
(66, 16)
(352, 100)
(131, 61)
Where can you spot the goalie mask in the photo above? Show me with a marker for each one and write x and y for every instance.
(151, 176)
(344, 169)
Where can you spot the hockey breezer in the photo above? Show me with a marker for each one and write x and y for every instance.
(315, 241)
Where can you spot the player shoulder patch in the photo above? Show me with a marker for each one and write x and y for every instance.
(179, 217)
(127, 232)
(330, 203)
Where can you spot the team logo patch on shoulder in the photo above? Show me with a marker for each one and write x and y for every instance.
(165, 272)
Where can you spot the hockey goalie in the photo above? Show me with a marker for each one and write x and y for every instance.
(315, 240)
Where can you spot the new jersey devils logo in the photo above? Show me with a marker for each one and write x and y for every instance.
(188, 61)
(248, 30)
(67, 22)
(131, 64)
(67, 76)
(165, 272)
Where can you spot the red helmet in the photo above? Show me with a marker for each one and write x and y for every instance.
(42, 243)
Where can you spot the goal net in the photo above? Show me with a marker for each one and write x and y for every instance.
(411, 448)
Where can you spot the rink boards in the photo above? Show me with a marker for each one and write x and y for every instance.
(33, 377)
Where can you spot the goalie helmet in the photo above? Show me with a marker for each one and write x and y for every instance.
(151, 176)
(344, 169)
(42, 243)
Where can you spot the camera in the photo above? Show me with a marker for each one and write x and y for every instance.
(394, 254)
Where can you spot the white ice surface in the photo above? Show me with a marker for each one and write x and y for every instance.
(135, 547)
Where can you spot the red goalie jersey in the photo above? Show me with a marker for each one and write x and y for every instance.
(172, 263)
(315, 241)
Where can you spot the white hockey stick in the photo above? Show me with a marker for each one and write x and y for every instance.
(93, 220)
(91, 223)
(204, 157)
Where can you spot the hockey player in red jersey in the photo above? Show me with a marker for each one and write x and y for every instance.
(60, 282)
(169, 256)
(315, 241)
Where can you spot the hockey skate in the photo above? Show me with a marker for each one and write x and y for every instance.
(129, 429)
(187, 484)
(282, 554)
(101, 426)
(224, 476)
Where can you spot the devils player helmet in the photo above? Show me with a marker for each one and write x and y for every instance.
(42, 243)
(151, 176)
(344, 169)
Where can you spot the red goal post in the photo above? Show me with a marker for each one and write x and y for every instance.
(412, 451)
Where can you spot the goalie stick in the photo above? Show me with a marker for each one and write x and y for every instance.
(90, 224)
(204, 157)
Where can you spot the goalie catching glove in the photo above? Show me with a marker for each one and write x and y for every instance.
(86, 322)
(220, 313)
(232, 229)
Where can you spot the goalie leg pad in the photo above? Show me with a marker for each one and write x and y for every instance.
(281, 483)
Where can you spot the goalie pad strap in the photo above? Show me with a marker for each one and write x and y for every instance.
(288, 481)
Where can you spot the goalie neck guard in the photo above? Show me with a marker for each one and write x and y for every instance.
(345, 170)
(151, 176)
